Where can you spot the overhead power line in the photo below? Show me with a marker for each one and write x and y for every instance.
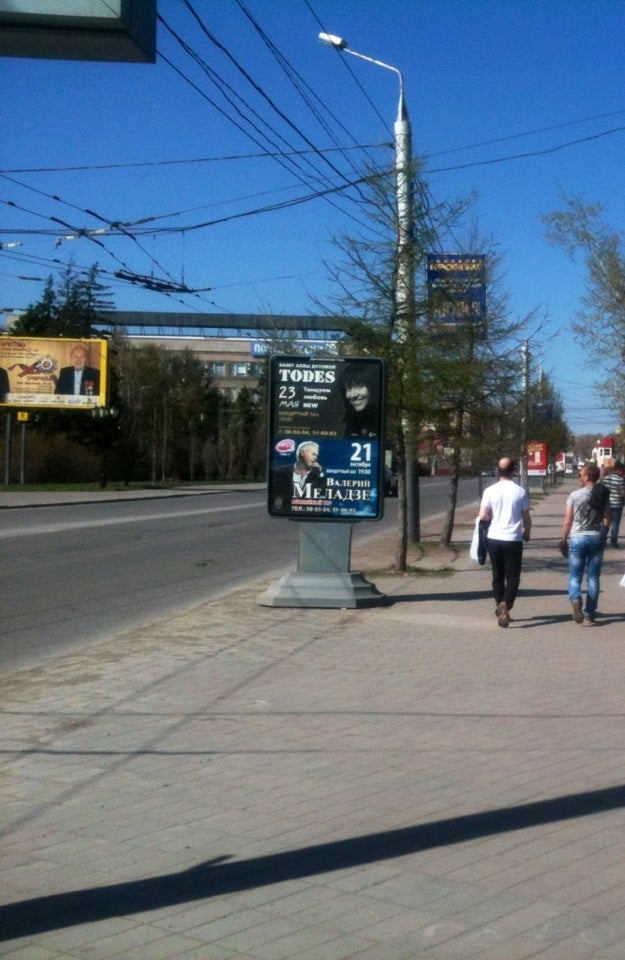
(72, 168)
(244, 117)
(529, 153)
(119, 229)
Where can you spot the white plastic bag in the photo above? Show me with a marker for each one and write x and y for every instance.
(475, 542)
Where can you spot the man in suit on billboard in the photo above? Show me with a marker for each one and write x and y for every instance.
(4, 384)
(79, 379)
(296, 476)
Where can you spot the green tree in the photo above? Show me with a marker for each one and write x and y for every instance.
(471, 376)
(365, 276)
(71, 308)
(169, 408)
(453, 381)
(546, 417)
(581, 231)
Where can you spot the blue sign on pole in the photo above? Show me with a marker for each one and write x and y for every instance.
(326, 444)
(456, 285)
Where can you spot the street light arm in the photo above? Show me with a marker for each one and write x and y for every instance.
(331, 40)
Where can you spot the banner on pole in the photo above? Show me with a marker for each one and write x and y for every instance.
(456, 286)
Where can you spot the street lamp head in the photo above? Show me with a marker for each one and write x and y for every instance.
(333, 41)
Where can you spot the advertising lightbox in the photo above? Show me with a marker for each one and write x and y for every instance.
(53, 373)
(456, 287)
(326, 444)
(537, 457)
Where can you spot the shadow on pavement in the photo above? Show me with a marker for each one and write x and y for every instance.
(219, 878)
(461, 596)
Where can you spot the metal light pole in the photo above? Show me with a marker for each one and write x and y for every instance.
(525, 376)
(404, 292)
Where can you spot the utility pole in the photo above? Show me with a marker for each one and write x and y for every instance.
(404, 291)
(405, 295)
(525, 368)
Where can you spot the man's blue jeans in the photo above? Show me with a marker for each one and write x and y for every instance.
(617, 513)
(585, 553)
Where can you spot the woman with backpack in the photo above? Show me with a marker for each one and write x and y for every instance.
(587, 520)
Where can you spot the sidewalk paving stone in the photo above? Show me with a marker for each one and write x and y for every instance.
(403, 782)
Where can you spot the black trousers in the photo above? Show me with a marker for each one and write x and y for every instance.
(506, 557)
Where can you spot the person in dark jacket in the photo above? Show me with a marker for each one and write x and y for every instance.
(4, 384)
(79, 379)
(298, 479)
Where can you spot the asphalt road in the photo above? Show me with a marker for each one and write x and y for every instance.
(77, 573)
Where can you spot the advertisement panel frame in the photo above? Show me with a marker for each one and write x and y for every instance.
(38, 373)
(325, 450)
(537, 456)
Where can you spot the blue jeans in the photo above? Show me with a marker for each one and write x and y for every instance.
(617, 513)
(585, 553)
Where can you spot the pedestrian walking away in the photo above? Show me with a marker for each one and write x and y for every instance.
(586, 522)
(505, 506)
(614, 480)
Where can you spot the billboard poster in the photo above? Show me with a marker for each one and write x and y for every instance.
(53, 373)
(326, 444)
(456, 287)
(537, 458)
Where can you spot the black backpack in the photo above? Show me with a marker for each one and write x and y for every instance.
(595, 508)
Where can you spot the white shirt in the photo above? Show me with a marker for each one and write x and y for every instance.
(506, 501)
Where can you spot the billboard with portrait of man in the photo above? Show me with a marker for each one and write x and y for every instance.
(326, 443)
(53, 373)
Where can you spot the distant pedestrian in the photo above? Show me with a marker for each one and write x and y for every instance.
(614, 479)
(505, 506)
(586, 520)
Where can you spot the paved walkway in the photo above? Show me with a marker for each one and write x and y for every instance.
(405, 782)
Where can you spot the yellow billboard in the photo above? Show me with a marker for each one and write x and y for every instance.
(53, 373)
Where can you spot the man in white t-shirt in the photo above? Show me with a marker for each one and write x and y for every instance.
(505, 505)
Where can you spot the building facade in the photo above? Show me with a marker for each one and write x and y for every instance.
(233, 347)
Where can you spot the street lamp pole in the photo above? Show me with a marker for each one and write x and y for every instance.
(404, 292)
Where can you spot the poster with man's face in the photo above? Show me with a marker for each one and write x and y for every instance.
(326, 444)
(53, 373)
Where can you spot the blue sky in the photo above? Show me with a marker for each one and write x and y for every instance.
(515, 102)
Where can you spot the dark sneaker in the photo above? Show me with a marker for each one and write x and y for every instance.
(503, 617)
(578, 616)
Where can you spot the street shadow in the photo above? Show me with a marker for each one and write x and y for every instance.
(461, 596)
(220, 878)
(542, 620)
(546, 620)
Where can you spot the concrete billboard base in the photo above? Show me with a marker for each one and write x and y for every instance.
(323, 577)
(343, 590)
